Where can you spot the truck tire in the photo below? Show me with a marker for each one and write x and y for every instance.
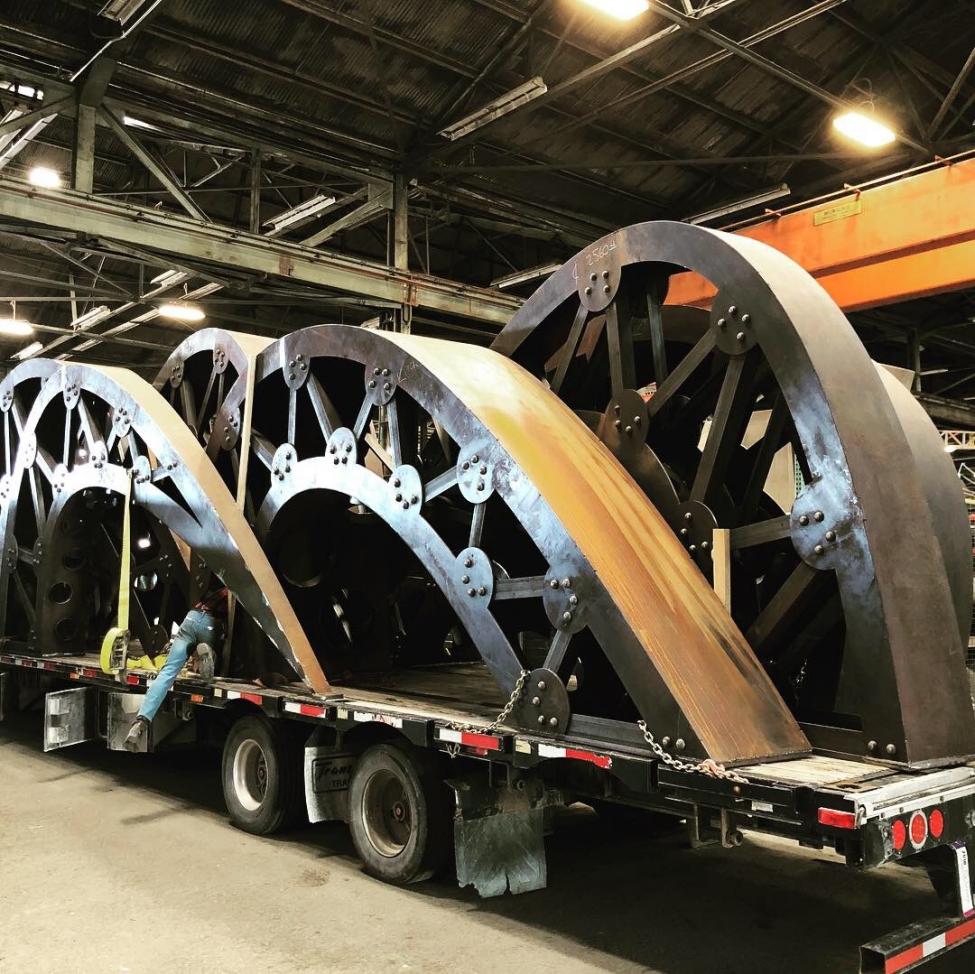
(262, 776)
(400, 813)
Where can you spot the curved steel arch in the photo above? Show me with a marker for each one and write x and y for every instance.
(505, 439)
(864, 517)
(115, 426)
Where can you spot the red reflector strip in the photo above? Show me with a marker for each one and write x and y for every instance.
(196, 698)
(482, 743)
(951, 937)
(254, 698)
(554, 751)
(836, 819)
(132, 680)
(305, 709)
(91, 674)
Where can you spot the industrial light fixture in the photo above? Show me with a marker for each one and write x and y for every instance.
(169, 278)
(529, 274)
(501, 105)
(939, 371)
(144, 543)
(28, 350)
(620, 9)
(121, 10)
(776, 192)
(864, 127)
(91, 318)
(182, 312)
(300, 214)
(45, 177)
(137, 123)
(12, 325)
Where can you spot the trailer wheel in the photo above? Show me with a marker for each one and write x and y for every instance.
(399, 813)
(262, 776)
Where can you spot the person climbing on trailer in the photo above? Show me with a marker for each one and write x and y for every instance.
(205, 624)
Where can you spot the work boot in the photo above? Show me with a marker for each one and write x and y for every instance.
(133, 741)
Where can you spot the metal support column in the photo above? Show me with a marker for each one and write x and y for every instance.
(401, 230)
(90, 92)
(255, 210)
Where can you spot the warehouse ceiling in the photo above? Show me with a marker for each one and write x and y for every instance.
(690, 109)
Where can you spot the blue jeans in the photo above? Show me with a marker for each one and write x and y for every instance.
(197, 627)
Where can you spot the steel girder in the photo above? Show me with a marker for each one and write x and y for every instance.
(851, 599)
(520, 540)
(60, 542)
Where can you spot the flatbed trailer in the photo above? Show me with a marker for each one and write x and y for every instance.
(505, 782)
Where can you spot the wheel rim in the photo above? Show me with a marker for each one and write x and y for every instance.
(387, 814)
(250, 775)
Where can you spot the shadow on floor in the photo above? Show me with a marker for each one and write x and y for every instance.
(653, 903)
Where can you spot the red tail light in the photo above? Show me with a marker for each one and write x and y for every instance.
(936, 823)
(918, 829)
(898, 834)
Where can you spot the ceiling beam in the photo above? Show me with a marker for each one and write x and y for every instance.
(180, 236)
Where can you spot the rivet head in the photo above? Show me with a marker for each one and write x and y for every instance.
(818, 515)
(606, 289)
(466, 465)
(482, 591)
(480, 485)
(399, 497)
(385, 371)
(468, 562)
(871, 746)
(482, 471)
(705, 545)
(396, 483)
(566, 583)
(588, 290)
(732, 311)
(541, 684)
(475, 459)
(375, 371)
(740, 336)
(553, 722)
(722, 323)
(665, 741)
(415, 499)
(683, 532)
(592, 276)
(819, 549)
(372, 383)
(616, 409)
(472, 592)
(567, 616)
(679, 744)
(688, 516)
(618, 424)
(830, 535)
(693, 547)
(803, 519)
(573, 599)
(605, 275)
(553, 583)
(406, 505)
(465, 579)
(745, 319)
(628, 430)
(891, 749)
(536, 701)
(541, 718)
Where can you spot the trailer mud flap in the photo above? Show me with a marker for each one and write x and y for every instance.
(6, 691)
(70, 717)
(327, 776)
(499, 835)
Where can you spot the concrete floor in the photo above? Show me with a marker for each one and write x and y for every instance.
(117, 863)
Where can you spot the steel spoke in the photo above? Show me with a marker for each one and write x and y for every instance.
(656, 292)
(477, 524)
(527, 587)
(762, 532)
(783, 609)
(326, 413)
(362, 420)
(569, 348)
(681, 373)
(619, 338)
(556, 651)
(440, 484)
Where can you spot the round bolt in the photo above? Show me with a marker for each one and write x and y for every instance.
(385, 371)
(406, 505)
(396, 483)
(553, 722)
(472, 592)
(541, 684)
(592, 276)
(588, 290)
(399, 497)
(482, 471)
(693, 547)
(475, 459)
(803, 519)
(732, 311)
(566, 583)
(482, 591)
(628, 430)
(573, 599)
(830, 535)
(480, 485)
(618, 424)
(688, 516)
(683, 532)
(616, 409)
(466, 465)
(415, 499)
(291, 364)
(818, 515)
(722, 323)
(665, 742)
(372, 383)
(554, 583)
(465, 579)
(746, 319)
(536, 701)
(567, 616)
(679, 744)
(386, 387)
(291, 375)
(705, 545)
(375, 371)
(606, 289)
(605, 275)
(871, 746)
(819, 549)
(740, 336)
(541, 718)
(468, 562)
(891, 749)
(637, 421)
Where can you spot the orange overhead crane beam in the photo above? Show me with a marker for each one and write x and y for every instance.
(905, 239)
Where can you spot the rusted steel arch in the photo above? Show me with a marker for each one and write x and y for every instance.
(195, 377)
(894, 687)
(609, 570)
(109, 424)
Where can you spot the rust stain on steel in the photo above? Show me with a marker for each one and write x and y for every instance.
(685, 631)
